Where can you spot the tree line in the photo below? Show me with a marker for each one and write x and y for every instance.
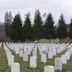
(17, 30)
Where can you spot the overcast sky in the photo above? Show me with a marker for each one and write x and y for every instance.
(56, 7)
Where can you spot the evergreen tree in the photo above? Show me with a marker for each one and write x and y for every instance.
(8, 21)
(27, 29)
(49, 27)
(61, 30)
(70, 30)
(37, 25)
(16, 28)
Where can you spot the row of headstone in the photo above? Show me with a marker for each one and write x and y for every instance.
(50, 49)
(15, 67)
(62, 60)
(25, 54)
(43, 47)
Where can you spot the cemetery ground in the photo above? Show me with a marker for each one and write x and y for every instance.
(25, 67)
(40, 66)
(3, 61)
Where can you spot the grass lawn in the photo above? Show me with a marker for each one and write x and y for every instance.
(24, 66)
(40, 66)
(3, 61)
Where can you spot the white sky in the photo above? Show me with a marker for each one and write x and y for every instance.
(56, 7)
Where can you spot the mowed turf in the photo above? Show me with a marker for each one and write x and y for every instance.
(24, 66)
(40, 66)
(3, 61)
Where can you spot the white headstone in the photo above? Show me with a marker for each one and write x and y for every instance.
(50, 55)
(21, 53)
(64, 59)
(49, 68)
(58, 64)
(54, 51)
(15, 67)
(25, 57)
(34, 52)
(25, 49)
(17, 50)
(67, 54)
(43, 58)
(33, 62)
(10, 60)
(58, 50)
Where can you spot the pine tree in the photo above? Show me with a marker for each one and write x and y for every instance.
(27, 28)
(70, 30)
(37, 25)
(49, 27)
(61, 30)
(8, 21)
(16, 28)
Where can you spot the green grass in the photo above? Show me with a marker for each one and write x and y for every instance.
(3, 61)
(40, 66)
(24, 66)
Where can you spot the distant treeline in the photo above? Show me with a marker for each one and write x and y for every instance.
(16, 30)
